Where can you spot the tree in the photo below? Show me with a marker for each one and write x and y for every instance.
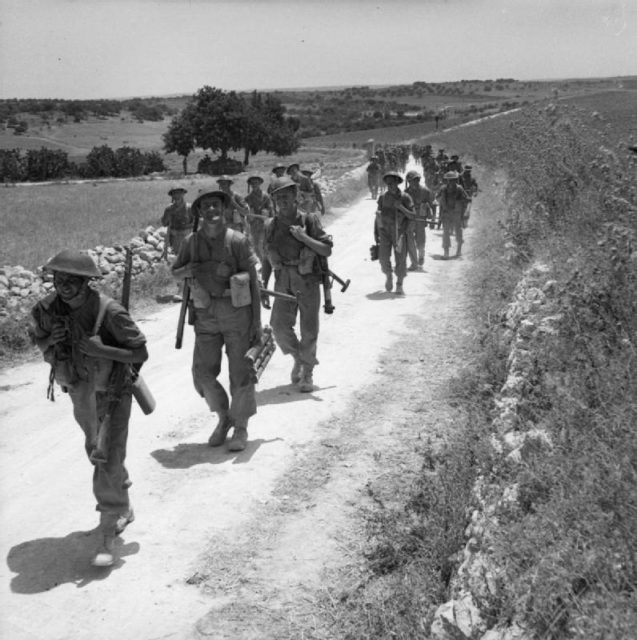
(180, 137)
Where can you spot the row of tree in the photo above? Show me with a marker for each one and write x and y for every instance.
(36, 165)
(220, 121)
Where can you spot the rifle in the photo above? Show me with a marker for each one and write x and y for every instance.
(164, 253)
(258, 356)
(344, 283)
(185, 300)
(278, 294)
(328, 307)
(141, 392)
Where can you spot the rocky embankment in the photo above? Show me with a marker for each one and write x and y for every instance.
(529, 319)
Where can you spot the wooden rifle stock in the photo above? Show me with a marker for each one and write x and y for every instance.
(328, 307)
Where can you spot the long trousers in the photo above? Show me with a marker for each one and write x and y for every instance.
(416, 237)
(110, 478)
(390, 241)
(283, 317)
(451, 223)
(218, 325)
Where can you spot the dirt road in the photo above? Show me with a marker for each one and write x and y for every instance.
(227, 545)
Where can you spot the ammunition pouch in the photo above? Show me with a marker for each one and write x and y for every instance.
(240, 289)
(373, 252)
(306, 261)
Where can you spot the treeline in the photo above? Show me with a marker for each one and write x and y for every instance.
(36, 165)
(142, 109)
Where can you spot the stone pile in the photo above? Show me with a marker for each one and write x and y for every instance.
(21, 288)
(530, 318)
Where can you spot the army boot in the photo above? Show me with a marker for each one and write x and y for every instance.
(218, 436)
(459, 250)
(239, 438)
(297, 370)
(446, 252)
(307, 382)
(105, 556)
(389, 282)
(123, 520)
(399, 288)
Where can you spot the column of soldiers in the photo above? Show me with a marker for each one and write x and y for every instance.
(227, 248)
(402, 217)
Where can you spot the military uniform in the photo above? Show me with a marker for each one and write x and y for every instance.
(296, 269)
(260, 204)
(453, 201)
(178, 219)
(305, 194)
(373, 176)
(423, 200)
(97, 385)
(219, 323)
(391, 231)
(237, 209)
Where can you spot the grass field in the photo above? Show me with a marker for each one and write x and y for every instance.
(40, 220)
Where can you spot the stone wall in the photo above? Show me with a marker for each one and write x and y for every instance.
(474, 586)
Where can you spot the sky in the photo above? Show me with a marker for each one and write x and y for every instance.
(124, 48)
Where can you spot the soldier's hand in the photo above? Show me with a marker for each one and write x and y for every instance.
(256, 333)
(298, 232)
(58, 333)
(265, 301)
(91, 346)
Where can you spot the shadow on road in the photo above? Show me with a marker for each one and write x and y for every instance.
(381, 295)
(187, 455)
(286, 393)
(46, 563)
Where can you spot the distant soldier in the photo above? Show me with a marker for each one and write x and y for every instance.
(470, 185)
(305, 192)
(261, 207)
(91, 343)
(373, 176)
(278, 171)
(454, 164)
(237, 209)
(293, 242)
(453, 201)
(318, 195)
(416, 231)
(395, 208)
(177, 219)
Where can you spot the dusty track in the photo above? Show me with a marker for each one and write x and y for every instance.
(226, 545)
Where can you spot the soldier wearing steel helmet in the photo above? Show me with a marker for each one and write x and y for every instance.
(177, 219)
(305, 190)
(237, 207)
(453, 201)
(373, 176)
(90, 340)
(416, 230)
(393, 213)
(261, 206)
(211, 258)
(317, 195)
(278, 171)
(293, 240)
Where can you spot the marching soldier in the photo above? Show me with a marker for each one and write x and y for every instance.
(292, 241)
(237, 209)
(318, 196)
(260, 205)
(177, 219)
(373, 176)
(453, 201)
(470, 185)
(305, 189)
(226, 297)
(416, 231)
(278, 171)
(91, 341)
(454, 164)
(395, 208)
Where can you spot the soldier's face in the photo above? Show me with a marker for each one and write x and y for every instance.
(224, 186)
(392, 183)
(67, 285)
(178, 197)
(254, 185)
(285, 200)
(212, 211)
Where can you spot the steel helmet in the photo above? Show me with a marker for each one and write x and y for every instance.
(75, 263)
(411, 175)
(282, 183)
(222, 195)
(254, 176)
(451, 175)
(393, 174)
